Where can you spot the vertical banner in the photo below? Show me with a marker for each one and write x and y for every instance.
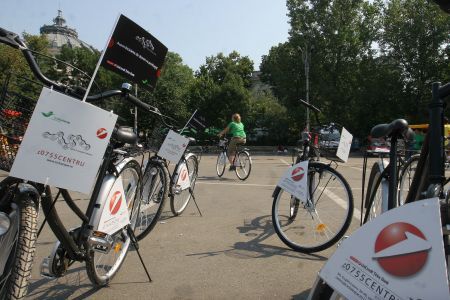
(64, 143)
(134, 53)
(295, 181)
(345, 143)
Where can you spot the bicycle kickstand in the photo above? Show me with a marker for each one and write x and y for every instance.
(136, 246)
(195, 201)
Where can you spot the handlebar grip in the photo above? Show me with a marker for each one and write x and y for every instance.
(142, 105)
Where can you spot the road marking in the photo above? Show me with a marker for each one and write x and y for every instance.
(356, 168)
(285, 162)
(236, 184)
(342, 203)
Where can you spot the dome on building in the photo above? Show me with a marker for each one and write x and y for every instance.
(59, 34)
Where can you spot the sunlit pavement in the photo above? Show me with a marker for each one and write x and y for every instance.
(230, 252)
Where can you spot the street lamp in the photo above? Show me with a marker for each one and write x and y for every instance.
(306, 56)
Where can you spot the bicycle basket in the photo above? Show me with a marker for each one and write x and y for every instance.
(17, 101)
(156, 137)
(327, 140)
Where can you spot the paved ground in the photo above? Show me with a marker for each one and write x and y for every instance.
(230, 252)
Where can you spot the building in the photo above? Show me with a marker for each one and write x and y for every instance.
(60, 34)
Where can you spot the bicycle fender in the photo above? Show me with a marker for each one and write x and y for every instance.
(26, 190)
(276, 191)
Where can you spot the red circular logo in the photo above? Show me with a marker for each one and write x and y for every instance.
(102, 133)
(401, 249)
(115, 202)
(298, 173)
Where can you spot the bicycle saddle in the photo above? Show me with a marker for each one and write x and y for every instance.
(125, 134)
(397, 128)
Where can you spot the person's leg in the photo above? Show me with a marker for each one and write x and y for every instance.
(232, 150)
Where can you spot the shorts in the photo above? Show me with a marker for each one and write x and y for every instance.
(233, 144)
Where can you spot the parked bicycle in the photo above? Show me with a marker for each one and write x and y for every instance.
(429, 178)
(318, 222)
(241, 160)
(19, 200)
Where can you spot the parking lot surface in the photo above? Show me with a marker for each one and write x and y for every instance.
(231, 252)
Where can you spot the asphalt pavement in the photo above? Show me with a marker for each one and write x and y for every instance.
(231, 252)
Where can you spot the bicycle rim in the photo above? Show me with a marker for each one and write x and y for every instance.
(375, 205)
(406, 177)
(321, 220)
(101, 267)
(243, 165)
(154, 194)
(180, 198)
(221, 163)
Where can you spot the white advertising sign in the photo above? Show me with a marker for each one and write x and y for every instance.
(115, 214)
(173, 146)
(183, 177)
(345, 144)
(399, 255)
(295, 181)
(64, 143)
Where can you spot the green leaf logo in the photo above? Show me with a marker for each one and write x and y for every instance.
(49, 114)
(144, 81)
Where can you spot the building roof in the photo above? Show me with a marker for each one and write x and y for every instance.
(60, 34)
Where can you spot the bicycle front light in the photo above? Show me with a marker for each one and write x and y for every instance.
(5, 223)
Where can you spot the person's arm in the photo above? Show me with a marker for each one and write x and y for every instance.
(223, 132)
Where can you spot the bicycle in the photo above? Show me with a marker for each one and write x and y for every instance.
(375, 201)
(182, 189)
(428, 180)
(241, 160)
(318, 222)
(19, 200)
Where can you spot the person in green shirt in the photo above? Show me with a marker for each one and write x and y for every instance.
(236, 129)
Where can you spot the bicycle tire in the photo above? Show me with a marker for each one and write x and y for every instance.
(101, 274)
(308, 232)
(22, 243)
(155, 191)
(221, 163)
(374, 196)
(405, 179)
(180, 199)
(243, 165)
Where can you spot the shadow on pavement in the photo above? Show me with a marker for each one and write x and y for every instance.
(215, 178)
(302, 296)
(259, 229)
(62, 288)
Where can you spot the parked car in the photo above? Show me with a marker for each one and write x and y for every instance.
(377, 145)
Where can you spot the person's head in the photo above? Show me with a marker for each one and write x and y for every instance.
(236, 118)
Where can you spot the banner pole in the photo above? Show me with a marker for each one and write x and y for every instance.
(189, 120)
(100, 61)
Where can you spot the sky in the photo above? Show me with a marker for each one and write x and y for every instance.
(194, 29)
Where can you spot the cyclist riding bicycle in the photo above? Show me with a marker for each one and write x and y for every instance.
(238, 136)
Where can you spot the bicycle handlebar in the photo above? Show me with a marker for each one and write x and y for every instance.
(13, 40)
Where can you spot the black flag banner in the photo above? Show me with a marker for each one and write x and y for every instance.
(196, 121)
(134, 53)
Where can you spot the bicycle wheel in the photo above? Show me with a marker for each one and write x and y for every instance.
(243, 165)
(375, 194)
(18, 247)
(179, 197)
(322, 219)
(406, 176)
(221, 163)
(101, 267)
(155, 191)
